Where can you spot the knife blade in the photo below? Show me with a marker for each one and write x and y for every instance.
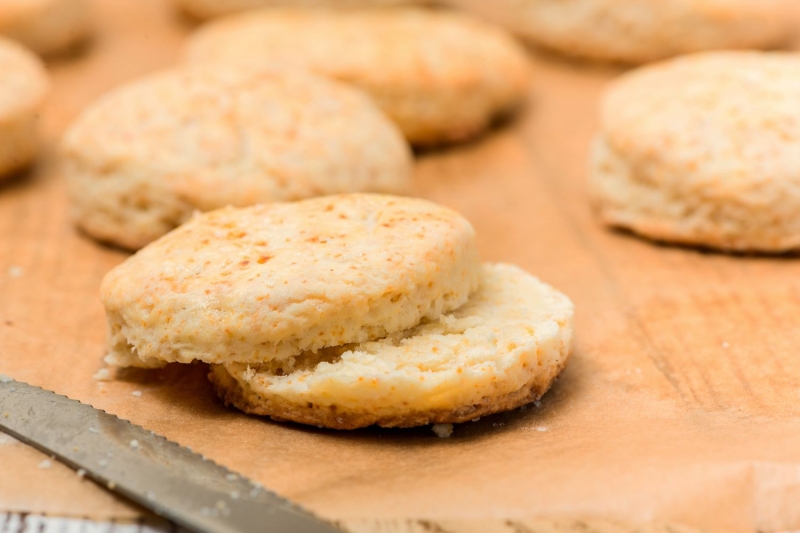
(160, 475)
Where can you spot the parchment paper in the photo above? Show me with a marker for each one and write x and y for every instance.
(680, 403)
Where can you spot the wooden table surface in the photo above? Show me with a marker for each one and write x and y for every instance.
(680, 403)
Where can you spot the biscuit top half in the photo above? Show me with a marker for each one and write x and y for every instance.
(722, 123)
(269, 281)
(23, 80)
(376, 49)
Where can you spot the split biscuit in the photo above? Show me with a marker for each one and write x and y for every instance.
(500, 350)
(638, 31)
(272, 281)
(142, 158)
(206, 9)
(442, 76)
(704, 150)
(45, 26)
(23, 86)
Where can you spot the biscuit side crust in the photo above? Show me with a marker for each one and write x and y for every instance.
(624, 199)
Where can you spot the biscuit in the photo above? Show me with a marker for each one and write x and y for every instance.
(637, 31)
(500, 350)
(206, 9)
(45, 26)
(271, 281)
(704, 150)
(23, 86)
(441, 76)
(140, 160)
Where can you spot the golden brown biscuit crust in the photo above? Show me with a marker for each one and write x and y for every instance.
(144, 157)
(639, 31)
(206, 9)
(702, 150)
(23, 86)
(442, 76)
(45, 26)
(271, 281)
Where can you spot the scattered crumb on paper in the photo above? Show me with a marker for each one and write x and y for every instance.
(102, 375)
(442, 430)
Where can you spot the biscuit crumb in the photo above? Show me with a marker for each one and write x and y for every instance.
(134, 444)
(47, 463)
(541, 428)
(81, 473)
(442, 430)
(102, 375)
(137, 393)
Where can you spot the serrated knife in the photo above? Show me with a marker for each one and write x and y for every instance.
(160, 475)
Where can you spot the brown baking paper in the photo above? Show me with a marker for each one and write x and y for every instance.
(680, 403)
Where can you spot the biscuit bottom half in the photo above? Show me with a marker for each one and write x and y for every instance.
(500, 350)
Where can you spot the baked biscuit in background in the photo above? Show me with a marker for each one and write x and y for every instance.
(268, 282)
(500, 350)
(704, 150)
(638, 31)
(23, 86)
(206, 9)
(442, 76)
(45, 26)
(145, 156)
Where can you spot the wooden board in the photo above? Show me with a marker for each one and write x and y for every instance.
(680, 403)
